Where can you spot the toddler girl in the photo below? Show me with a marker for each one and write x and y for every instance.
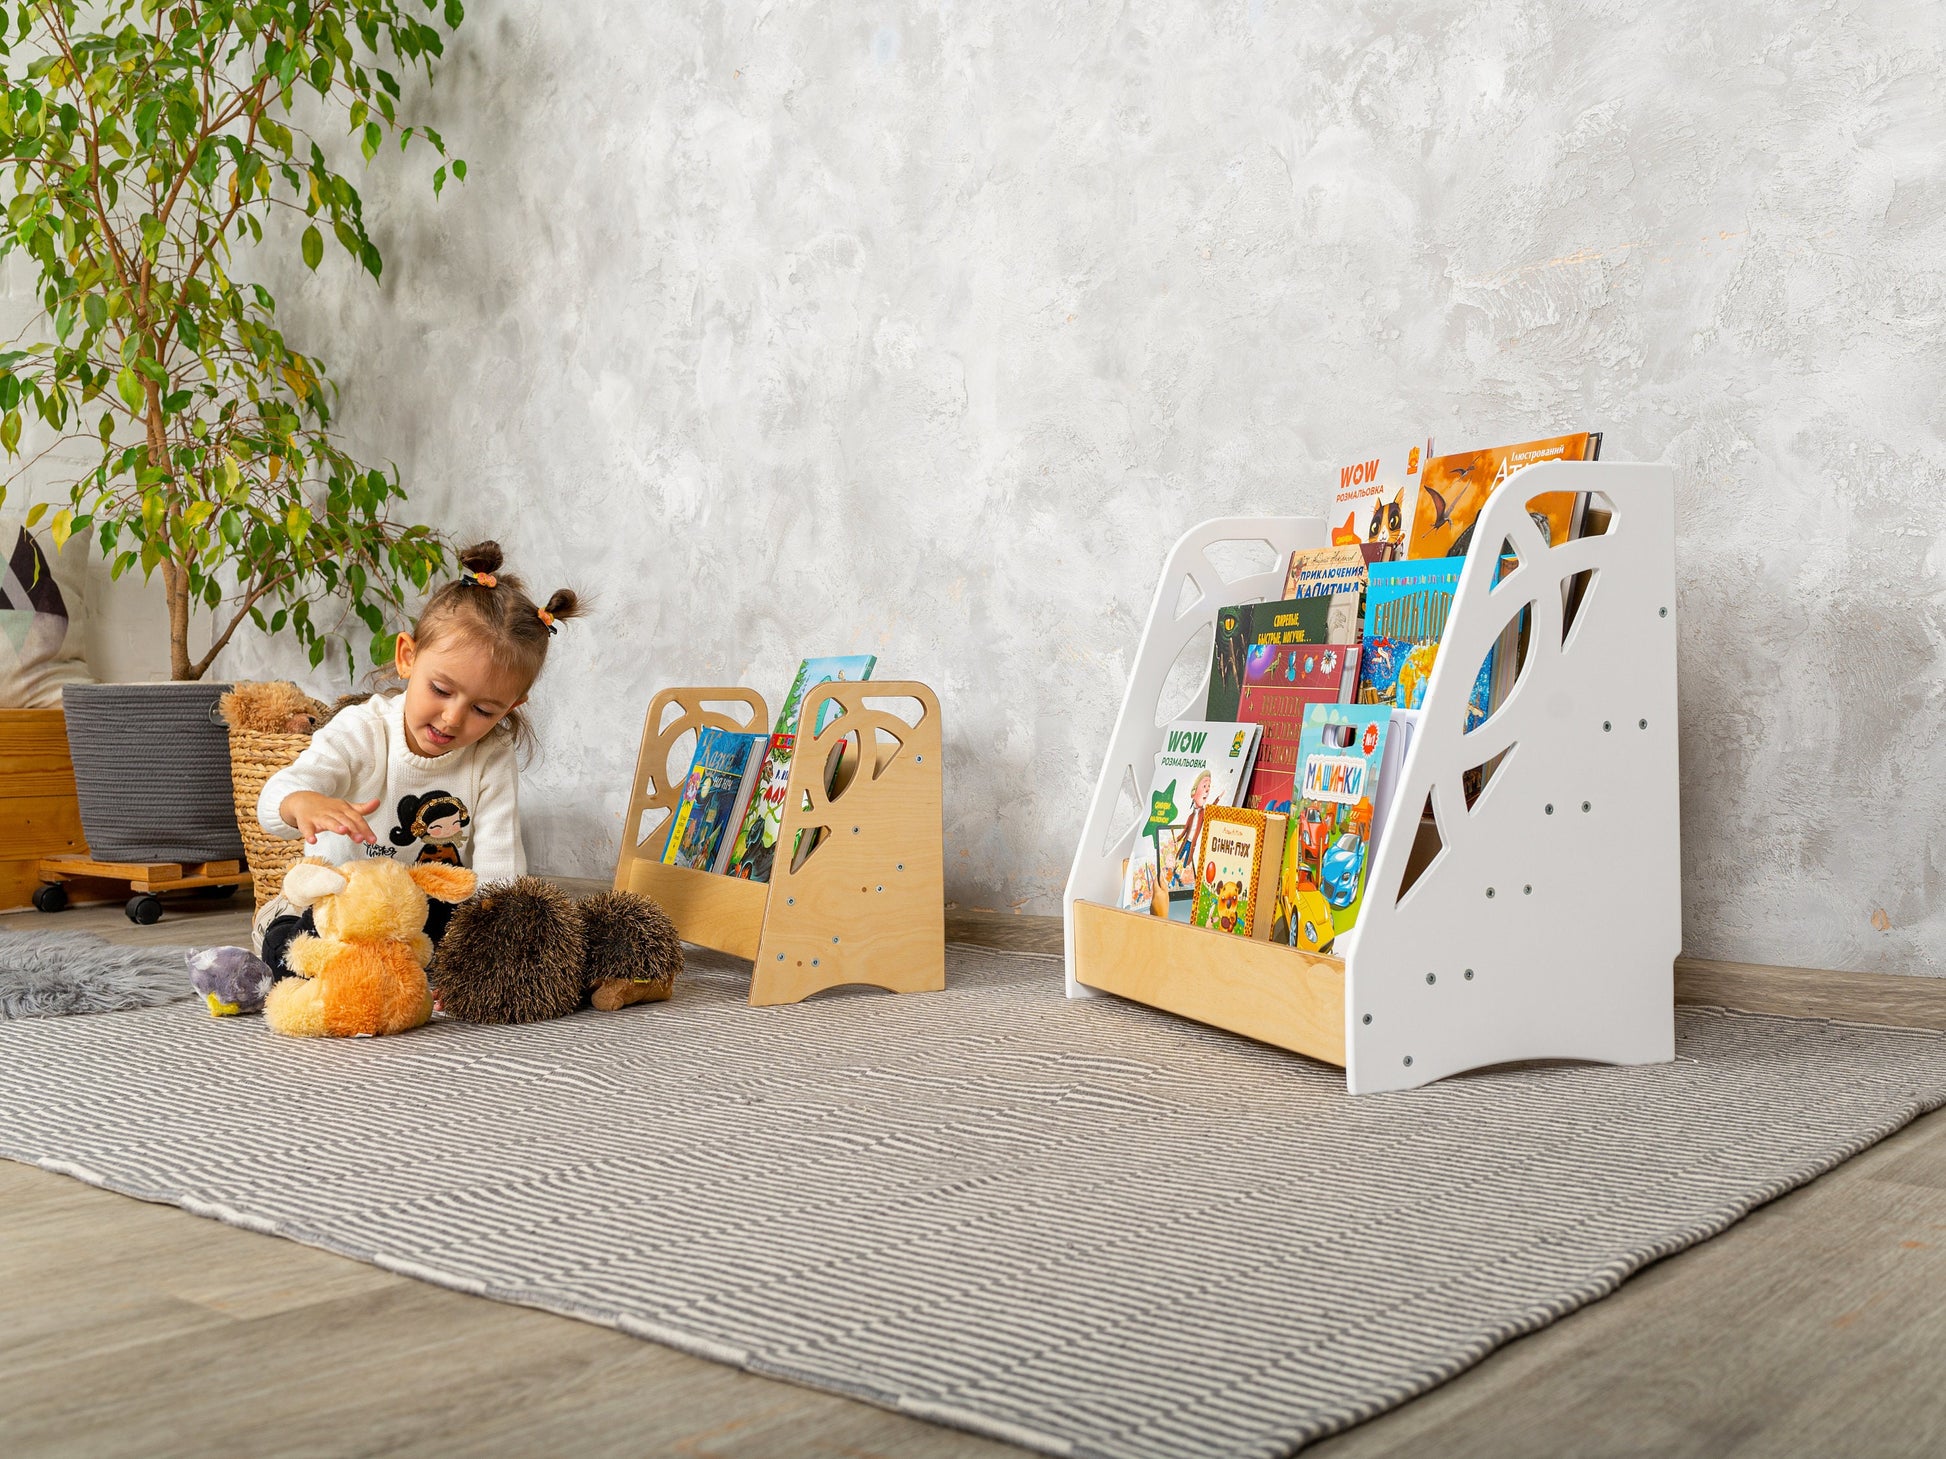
(427, 774)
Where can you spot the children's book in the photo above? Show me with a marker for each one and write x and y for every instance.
(1337, 573)
(1452, 489)
(1406, 606)
(1374, 499)
(755, 848)
(1329, 838)
(1252, 625)
(845, 669)
(1280, 683)
(1202, 764)
(1240, 855)
(1139, 875)
(710, 797)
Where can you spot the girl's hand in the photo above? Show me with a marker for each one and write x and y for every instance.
(312, 813)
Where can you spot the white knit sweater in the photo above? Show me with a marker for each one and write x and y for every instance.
(462, 805)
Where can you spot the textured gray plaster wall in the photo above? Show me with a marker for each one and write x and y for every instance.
(826, 327)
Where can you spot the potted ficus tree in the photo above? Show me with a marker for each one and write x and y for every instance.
(146, 142)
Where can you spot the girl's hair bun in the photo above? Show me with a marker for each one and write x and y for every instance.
(565, 603)
(482, 557)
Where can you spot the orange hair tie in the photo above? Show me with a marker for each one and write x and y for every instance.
(482, 579)
(547, 618)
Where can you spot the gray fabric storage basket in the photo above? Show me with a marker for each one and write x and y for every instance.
(152, 767)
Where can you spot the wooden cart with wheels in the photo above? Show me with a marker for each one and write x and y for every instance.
(147, 880)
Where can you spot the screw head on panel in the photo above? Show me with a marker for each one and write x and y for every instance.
(1550, 808)
(1408, 1061)
(1587, 805)
(1432, 977)
(790, 901)
(1607, 726)
(1469, 975)
(1368, 1018)
(1642, 724)
(1662, 612)
(780, 957)
(1489, 891)
(834, 939)
(1527, 891)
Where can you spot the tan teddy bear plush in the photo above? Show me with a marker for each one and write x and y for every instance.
(274, 708)
(365, 971)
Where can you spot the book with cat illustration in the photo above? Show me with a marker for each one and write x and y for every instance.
(1253, 625)
(1373, 503)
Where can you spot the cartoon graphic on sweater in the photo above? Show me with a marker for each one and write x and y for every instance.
(437, 819)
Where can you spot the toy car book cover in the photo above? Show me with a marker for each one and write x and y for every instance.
(1452, 489)
(709, 796)
(1373, 503)
(1281, 682)
(1328, 841)
(1406, 605)
(1249, 625)
(1238, 866)
(1203, 763)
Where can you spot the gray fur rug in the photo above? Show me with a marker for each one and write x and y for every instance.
(45, 974)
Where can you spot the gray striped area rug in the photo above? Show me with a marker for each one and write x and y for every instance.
(1087, 1228)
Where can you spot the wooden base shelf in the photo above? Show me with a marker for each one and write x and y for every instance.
(1277, 995)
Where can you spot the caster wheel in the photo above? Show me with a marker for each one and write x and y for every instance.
(216, 894)
(51, 898)
(145, 909)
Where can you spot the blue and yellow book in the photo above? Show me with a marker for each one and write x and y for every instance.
(711, 797)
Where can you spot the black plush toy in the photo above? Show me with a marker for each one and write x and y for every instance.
(524, 950)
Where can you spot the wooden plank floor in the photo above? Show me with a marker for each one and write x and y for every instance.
(1814, 1327)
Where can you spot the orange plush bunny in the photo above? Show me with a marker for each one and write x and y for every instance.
(365, 971)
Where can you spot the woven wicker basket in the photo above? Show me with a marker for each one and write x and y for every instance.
(254, 758)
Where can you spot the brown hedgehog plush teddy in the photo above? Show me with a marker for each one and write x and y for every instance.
(524, 950)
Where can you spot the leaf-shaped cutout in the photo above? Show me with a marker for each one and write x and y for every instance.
(1474, 782)
(1427, 847)
(1575, 593)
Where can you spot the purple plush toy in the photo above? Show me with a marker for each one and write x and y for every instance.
(231, 979)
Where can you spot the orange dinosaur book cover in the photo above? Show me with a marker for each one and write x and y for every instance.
(1452, 489)
(1373, 504)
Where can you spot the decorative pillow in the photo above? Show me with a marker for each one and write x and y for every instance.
(41, 616)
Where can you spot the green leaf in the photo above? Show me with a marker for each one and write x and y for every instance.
(9, 391)
(129, 386)
(95, 309)
(313, 247)
(374, 135)
(385, 647)
(10, 433)
(455, 13)
(36, 512)
(459, 168)
(438, 180)
(61, 528)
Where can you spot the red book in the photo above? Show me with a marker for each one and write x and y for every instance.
(1280, 682)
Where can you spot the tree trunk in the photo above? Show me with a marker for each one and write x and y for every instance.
(175, 578)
